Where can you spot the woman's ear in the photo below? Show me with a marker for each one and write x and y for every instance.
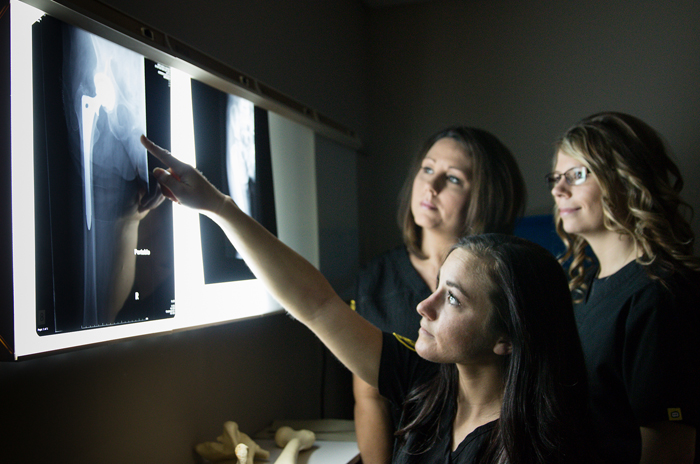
(503, 347)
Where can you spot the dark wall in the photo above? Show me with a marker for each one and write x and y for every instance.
(311, 50)
(525, 71)
(152, 399)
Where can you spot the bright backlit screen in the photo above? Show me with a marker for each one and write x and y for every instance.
(97, 254)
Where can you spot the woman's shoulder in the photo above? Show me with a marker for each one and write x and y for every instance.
(395, 257)
(401, 368)
(661, 294)
(650, 280)
(392, 268)
(635, 293)
(677, 285)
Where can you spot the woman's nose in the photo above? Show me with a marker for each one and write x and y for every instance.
(560, 187)
(435, 185)
(426, 308)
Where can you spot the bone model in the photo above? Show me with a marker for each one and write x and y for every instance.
(242, 451)
(292, 441)
(228, 446)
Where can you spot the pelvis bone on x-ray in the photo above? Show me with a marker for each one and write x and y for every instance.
(240, 151)
(104, 87)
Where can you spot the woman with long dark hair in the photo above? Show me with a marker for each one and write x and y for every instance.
(463, 181)
(537, 374)
(500, 323)
(617, 191)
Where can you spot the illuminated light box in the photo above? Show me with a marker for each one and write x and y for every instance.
(88, 253)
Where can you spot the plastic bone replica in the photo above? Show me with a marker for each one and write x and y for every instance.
(227, 445)
(242, 452)
(292, 441)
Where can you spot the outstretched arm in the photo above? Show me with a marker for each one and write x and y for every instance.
(293, 282)
(373, 424)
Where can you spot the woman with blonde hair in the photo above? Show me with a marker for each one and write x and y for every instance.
(617, 191)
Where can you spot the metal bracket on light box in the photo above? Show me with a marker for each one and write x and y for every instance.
(118, 27)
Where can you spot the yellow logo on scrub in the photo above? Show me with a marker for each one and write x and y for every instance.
(407, 342)
(674, 414)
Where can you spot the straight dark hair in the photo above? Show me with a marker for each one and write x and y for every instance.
(544, 416)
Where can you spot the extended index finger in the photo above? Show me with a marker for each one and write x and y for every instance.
(164, 155)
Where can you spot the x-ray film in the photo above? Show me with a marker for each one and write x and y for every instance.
(232, 146)
(104, 229)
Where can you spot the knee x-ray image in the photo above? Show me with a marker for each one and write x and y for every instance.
(105, 231)
(233, 149)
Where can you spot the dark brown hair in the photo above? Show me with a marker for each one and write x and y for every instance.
(544, 416)
(498, 194)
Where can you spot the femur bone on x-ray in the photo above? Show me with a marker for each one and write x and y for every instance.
(107, 86)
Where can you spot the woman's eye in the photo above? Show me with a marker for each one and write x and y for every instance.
(452, 300)
(427, 169)
(454, 180)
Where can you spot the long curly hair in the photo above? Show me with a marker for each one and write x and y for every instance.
(498, 194)
(640, 186)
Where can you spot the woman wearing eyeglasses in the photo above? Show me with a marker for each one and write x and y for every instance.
(617, 190)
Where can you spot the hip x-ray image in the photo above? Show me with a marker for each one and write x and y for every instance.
(233, 148)
(108, 233)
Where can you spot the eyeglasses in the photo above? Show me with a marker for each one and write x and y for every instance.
(573, 176)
